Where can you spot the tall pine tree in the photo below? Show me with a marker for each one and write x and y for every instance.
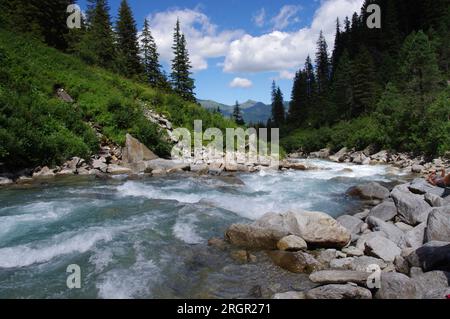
(128, 57)
(237, 115)
(278, 114)
(150, 59)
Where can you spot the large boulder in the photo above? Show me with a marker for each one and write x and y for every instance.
(326, 277)
(438, 225)
(339, 156)
(383, 248)
(414, 238)
(421, 186)
(135, 152)
(5, 181)
(396, 286)
(164, 165)
(45, 172)
(431, 285)
(351, 223)
(319, 230)
(347, 291)
(391, 231)
(412, 208)
(384, 211)
(434, 255)
(361, 242)
(292, 243)
(114, 169)
(435, 200)
(369, 191)
(253, 237)
(296, 262)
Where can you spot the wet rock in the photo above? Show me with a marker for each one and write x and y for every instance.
(369, 191)
(412, 208)
(242, 256)
(347, 291)
(296, 262)
(290, 295)
(414, 238)
(135, 152)
(325, 277)
(45, 172)
(384, 211)
(434, 255)
(292, 243)
(438, 225)
(383, 248)
(351, 223)
(253, 237)
(395, 286)
(218, 243)
(431, 285)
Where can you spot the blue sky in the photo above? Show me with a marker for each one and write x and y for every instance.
(238, 47)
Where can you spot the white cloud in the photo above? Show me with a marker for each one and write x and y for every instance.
(286, 75)
(286, 16)
(278, 51)
(241, 83)
(260, 18)
(203, 38)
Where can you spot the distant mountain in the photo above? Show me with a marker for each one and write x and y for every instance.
(252, 111)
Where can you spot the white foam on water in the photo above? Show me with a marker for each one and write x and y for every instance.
(131, 282)
(185, 229)
(135, 189)
(61, 244)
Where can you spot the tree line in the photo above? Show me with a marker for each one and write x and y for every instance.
(116, 47)
(393, 78)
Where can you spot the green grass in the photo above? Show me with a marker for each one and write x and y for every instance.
(36, 128)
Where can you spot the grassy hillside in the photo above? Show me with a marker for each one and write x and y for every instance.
(37, 128)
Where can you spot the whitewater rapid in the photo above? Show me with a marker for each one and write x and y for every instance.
(147, 238)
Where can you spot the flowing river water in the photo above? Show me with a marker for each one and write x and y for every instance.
(147, 238)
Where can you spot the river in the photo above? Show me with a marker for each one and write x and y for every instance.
(147, 238)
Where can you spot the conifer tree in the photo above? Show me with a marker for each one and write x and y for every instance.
(299, 97)
(128, 57)
(237, 115)
(278, 114)
(182, 82)
(343, 88)
(150, 59)
(322, 65)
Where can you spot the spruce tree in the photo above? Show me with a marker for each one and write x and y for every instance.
(182, 82)
(322, 65)
(299, 96)
(150, 59)
(128, 57)
(98, 45)
(278, 114)
(237, 115)
(311, 90)
(343, 88)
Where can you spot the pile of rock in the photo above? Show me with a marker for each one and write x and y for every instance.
(368, 156)
(406, 236)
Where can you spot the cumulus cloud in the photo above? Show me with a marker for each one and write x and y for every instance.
(278, 51)
(259, 19)
(203, 38)
(241, 83)
(286, 17)
(286, 75)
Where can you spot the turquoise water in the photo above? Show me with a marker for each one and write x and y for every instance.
(147, 238)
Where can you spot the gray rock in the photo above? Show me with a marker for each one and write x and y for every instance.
(100, 165)
(339, 156)
(326, 277)
(342, 263)
(45, 172)
(369, 191)
(135, 152)
(396, 286)
(383, 248)
(296, 262)
(166, 165)
(114, 169)
(352, 251)
(351, 223)
(318, 229)
(326, 256)
(199, 169)
(403, 227)
(431, 285)
(414, 238)
(435, 200)
(421, 186)
(390, 230)
(417, 169)
(401, 265)
(434, 255)
(362, 263)
(362, 215)
(339, 292)
(252, 237)
(361, 242)
(438, 225)
(385, 211)
(292, 243)
(412, 208)
(290, 295)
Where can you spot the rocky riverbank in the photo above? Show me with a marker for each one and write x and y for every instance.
(406, 237)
